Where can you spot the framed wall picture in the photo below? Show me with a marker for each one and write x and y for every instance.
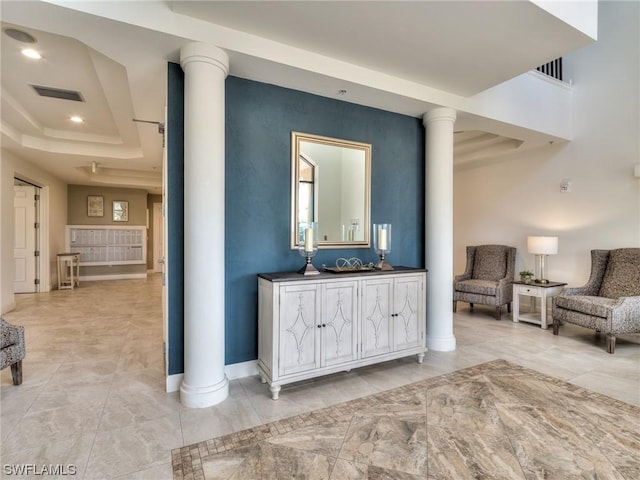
(95, 206)
(120, 211)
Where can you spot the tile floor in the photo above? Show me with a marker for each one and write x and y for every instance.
(495, 420)
(93, 393)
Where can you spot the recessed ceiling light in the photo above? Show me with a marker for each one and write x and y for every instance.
(77, 119)
(31, 53)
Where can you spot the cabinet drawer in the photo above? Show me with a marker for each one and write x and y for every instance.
(527, 290)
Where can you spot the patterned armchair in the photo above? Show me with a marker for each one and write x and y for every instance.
(487, 277)
(610, 301)
(13, 349)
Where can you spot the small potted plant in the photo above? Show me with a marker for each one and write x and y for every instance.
(526, 276)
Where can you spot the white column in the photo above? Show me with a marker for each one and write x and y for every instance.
(205, 69)
(439, 227)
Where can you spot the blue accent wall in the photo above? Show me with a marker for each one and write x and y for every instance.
(259, 122)
(174, 208)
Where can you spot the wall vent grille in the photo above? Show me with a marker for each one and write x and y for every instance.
(58, 93)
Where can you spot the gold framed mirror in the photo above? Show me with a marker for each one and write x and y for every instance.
(331, 185)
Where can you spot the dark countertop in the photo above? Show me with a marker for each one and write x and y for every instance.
(288, 276)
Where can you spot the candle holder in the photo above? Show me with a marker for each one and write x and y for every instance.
(308, 246)
(382, 244)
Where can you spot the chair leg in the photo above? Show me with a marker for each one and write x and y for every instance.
(509, 307)
(16, 372)
(611, 343)
(471, 306)
(498, 312)
(556, 326)
(455, 306)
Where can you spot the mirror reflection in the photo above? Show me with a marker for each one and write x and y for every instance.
(330, 185)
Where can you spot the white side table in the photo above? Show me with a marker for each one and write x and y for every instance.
(68, 270)
(534, 290)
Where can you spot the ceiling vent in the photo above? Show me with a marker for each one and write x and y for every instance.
(19, 35)
(58, 93)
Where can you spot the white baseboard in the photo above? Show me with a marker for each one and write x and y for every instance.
(233, 372)
(173, 382)
(241, 370)
(122, 276)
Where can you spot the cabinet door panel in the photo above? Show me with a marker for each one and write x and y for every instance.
(376, 324)
(408, 318)
(339, 327)
(299, 316)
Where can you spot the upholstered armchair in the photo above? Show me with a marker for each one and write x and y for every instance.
(610, 301)
(13, 349)
(487, 277)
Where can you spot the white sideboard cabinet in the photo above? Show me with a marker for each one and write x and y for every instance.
(312, 326)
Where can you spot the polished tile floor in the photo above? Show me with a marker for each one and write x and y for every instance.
(93, 393)
(496, 420)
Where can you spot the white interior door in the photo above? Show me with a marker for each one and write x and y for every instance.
(24, 246)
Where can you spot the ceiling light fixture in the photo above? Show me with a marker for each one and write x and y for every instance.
(77, 119)
(31, 53)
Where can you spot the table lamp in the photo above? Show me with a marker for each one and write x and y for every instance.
(541, 247)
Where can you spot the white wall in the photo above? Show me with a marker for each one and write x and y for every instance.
(55, 216)
(504, 200)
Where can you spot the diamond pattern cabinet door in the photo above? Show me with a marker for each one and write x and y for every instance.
(377, 333)
(299, 335)
(408, 305)
(339, 325)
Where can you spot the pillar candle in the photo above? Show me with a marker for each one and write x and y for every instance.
(382, 240)
(308, 240)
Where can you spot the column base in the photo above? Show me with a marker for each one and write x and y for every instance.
(441, 344)
(201, 397)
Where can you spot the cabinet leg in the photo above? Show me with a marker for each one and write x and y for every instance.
(420, 358)
(262, 379)
(275, 391)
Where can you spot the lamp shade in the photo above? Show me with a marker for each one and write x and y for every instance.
(542, 245)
